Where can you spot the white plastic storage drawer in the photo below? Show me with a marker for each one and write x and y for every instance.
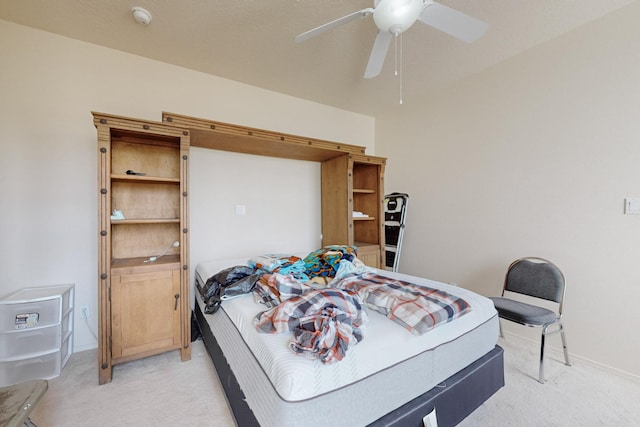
(43, 366)
(22, 343)
(36, 333)
(35, 307)
(26, 315)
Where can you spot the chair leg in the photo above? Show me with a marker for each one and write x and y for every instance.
(564, 346)
(500, 326)
(542, 339)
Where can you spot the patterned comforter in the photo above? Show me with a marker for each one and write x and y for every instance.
(326, 316)
(326, 322)
(417, 308)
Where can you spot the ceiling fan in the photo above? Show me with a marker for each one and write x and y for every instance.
(393, 17)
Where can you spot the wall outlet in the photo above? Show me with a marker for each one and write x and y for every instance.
(84, 312)
(632, 206)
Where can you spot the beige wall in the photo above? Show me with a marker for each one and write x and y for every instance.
(48, 221)
(534, 157)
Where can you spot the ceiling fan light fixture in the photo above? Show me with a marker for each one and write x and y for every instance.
(397, 16)
(393, 17)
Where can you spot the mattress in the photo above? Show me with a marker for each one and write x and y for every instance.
(283, 388)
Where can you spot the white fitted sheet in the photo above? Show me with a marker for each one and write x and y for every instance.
(281, 386)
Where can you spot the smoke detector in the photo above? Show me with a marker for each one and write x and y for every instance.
(141, 15)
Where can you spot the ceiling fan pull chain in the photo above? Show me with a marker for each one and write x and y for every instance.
(400, 68)
(395, 53)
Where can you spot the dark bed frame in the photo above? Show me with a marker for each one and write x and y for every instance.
(461, 394)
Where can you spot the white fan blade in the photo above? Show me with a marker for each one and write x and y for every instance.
(378, 53)
(329, 25)
(452, 22)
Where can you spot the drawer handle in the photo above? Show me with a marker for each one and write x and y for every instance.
(176, 296)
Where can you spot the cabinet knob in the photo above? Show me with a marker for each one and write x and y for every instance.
(177, 297)
(103, 276)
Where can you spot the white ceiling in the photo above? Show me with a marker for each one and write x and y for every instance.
(251, 41)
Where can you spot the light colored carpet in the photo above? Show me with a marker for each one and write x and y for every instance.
(162, 391)
(578, 395)
(155, 391)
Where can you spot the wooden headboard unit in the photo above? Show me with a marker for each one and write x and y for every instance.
(351, 180)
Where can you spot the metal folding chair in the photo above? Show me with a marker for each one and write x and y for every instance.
(538, 279)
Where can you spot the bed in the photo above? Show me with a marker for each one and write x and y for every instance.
(390, 378)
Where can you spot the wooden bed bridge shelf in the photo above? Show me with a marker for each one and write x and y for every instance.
(351, 180)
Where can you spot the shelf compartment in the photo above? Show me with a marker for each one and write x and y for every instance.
(146, 200)
(365, 177)
(366, 230)
(155, 157)
(138, 264)
(143, 240)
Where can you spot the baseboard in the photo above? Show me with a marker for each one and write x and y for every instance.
(79, 348)
(558, 351)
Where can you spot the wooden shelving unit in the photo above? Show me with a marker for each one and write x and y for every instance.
(144, 306)
(354, 183)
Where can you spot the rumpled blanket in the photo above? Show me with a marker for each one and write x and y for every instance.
(272, 289)
(325, 323)
(325, 261)
(417, 308)
(280, 263)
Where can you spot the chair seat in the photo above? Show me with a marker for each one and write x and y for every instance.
(523, 313)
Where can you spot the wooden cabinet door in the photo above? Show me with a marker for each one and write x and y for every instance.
(145, 313)
(369, 255)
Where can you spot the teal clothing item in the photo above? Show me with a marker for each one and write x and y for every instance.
(325, 262)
